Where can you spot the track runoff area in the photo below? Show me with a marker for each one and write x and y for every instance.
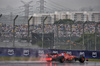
(44, 63)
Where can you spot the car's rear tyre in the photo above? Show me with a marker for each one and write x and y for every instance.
(61, 59)
(82, 59)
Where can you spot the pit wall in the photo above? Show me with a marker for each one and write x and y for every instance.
(26, 52)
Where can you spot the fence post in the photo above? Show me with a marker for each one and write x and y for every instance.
(14, 30)
(54, 37)
(96, 35)
(70, 35)
(43, 30)
(83, 35)
(28, 40)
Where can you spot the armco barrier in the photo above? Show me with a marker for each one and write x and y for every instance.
(26, 52)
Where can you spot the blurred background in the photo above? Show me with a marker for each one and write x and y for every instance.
(48, 24)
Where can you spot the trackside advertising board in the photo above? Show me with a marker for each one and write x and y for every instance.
(26, 52)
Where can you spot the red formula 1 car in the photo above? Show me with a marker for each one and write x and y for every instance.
(63, 57)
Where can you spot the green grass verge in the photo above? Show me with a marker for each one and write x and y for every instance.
(19, 59)
(94, 59)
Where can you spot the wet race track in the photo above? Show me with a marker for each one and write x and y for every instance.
(40, 63)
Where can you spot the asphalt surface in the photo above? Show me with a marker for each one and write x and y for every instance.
(43, 63)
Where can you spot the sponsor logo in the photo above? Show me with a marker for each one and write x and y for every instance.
(94, 54)
(25, 52)
(82, 53)
(10, 51)
(41, 53)
(55, 51)
(68, 52)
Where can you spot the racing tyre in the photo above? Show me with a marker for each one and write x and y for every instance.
(61, 59)
(82, 59)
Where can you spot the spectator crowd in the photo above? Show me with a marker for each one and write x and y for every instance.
(61, 30)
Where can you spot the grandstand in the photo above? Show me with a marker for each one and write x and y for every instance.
(64, 36)
(64, 32)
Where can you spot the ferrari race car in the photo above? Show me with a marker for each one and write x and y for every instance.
(62, 57)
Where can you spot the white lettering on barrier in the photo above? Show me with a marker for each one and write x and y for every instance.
(25, 52)
(55, 51)
(40, 52)
(94, 54)
(82, 53)
(69, 52)
(10, 51)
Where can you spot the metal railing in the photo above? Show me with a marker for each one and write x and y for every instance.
(62, 34)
